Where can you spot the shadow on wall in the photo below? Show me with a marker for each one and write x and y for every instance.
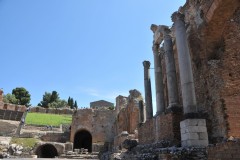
(46, 151)
(83, 139)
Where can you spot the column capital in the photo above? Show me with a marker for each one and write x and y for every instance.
(154, 28)
(146, 64)
(165, 31)
(177, 16)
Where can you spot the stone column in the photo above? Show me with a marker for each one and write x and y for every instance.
(173, 96)
(148, 90)
(185, 66)
(193, 131)
(142, 111)
(160, 103)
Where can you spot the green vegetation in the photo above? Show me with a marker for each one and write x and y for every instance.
(19, 96)
(72, 103)
(25, 142)
(52, 100)
(48, 119)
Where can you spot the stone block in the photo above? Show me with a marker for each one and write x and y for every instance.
(194, 132)
(195, 143)
(193, 129)
(193, 122)
(203, 136)
(189, 136)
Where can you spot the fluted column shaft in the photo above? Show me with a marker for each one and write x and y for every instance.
(185, 67)
(173, 97)
(160, 103)
(148, 90)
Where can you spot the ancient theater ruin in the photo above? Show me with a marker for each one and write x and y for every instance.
(197, 84)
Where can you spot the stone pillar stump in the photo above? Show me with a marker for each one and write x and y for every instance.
(194, 133)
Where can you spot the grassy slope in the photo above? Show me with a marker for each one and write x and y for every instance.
(25, 142)
(48, 119)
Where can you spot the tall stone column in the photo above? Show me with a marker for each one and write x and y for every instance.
(160, 103)
(193, 130)
(142, 111)
(148, 90)
(173, 96)
(185, 66)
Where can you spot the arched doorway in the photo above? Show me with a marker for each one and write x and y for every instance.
(46, 151)
(83, 139)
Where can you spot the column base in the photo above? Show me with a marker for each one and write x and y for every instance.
(194, 133)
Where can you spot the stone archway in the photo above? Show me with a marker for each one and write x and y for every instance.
(46, 151)
(83, 139)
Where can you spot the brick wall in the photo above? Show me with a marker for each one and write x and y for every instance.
(224, 151)
(146, 132)
(161, 127)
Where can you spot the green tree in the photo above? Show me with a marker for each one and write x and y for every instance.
(22, 95)
(70, 102)
(10, 98)
(75, 105)
(54, 96)
(52, 100)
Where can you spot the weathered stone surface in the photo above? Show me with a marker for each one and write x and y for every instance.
(193, 134)
(98, 122)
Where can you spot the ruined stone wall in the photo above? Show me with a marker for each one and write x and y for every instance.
(121, 102)
(55, 137)
(223, 151)
(98, 122)
(127, 119)
(52, 110)
(161, 127)
(11, 111)
(213, 37)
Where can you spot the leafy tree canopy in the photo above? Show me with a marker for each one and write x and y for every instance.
(22, 95)
(9, 98)
(52, 100)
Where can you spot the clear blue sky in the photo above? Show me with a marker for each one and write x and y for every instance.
(87, 49)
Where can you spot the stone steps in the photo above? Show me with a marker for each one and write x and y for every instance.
(92, 156)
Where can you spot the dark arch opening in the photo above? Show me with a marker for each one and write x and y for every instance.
(83, 139)
(47, 151)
